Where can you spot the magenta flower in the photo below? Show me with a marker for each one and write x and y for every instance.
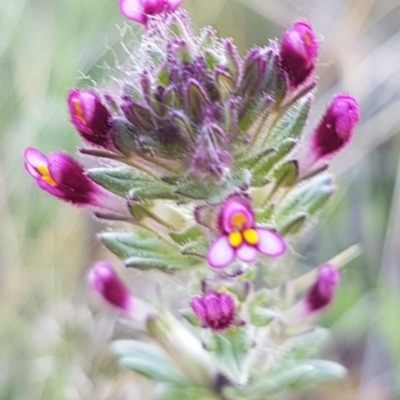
(140, 10)
(63, 177)
(104, 280)
(90, 117)
(215, 310)
(323, 290)
(299, 51)
(336, 128)
(240, 237)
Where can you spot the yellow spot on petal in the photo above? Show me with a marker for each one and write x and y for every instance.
(78, 110)
(235, 239)
(250, 236)
(45, 175)
(238, 221)
(308, 39)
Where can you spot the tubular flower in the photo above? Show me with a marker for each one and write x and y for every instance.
(336, 127)
(104, 280)
(90, 117)
(215, 310)
(322, 292)
(240, 237)
(63, 177)
(299, 51)
(140, 10)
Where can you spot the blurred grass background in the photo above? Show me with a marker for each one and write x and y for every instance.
(52, 345)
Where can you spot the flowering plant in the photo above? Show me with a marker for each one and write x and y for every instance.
(209, 170)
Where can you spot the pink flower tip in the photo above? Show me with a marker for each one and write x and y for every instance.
(215, 310)
(140, 10)
(336, 128)
(61, 176)
(299, 52)
(240, 237)
(104, 280)
(90, 117)
(323, 290)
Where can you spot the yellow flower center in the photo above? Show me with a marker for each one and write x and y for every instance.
(235, 239)
(45, 175)
(308, 39)
(238, 221)
(250, 236)
(78, 111)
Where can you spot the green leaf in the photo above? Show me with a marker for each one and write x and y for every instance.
(143, 251)
(286, 174)
(260, 316)
(265, 165)
(232, 349)
(292, 123)
(190, 393)
(292, 377)
(213, 192)
(308, 199)
(294, 225)
(192, 241)
(130, 182)
(190, 234)
(147, 360)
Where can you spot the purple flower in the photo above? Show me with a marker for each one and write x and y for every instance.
(140, 10)
(63, 177)
(215, 310)
(240, 237)
(323, 290)
(90, 117)
(104, 280)
(299, 51)
(336, 128)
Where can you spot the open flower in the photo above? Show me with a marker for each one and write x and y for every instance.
(63, 177)
(140, 10)
(104, 280)
(240, 237)
(215, 310)
(90, 117)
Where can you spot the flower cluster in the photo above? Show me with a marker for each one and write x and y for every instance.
(208, 168)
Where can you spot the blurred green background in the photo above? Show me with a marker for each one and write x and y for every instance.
(52, 344)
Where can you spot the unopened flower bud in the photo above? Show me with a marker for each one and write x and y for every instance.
(63, 177)
(140, 10)
(215, 310)
(336, 128)
(104, 280)
(299, 51)
(90, 117)
(323, 290)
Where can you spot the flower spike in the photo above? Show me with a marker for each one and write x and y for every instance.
(63, 177)
(240, 237)
(140, 10)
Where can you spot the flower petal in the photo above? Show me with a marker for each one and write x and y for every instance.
(221, 253)
(34, 158)
(174, 4)
(235, 206)
(133, 9)
(247, 253)
(270, 243)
